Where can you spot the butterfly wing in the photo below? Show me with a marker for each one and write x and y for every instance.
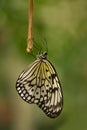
(39, 84)
(53, 106)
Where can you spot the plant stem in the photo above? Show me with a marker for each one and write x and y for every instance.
(30, 28)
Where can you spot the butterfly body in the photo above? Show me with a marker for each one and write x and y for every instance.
(39, 84)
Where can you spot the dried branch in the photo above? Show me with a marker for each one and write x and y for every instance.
(30, 27)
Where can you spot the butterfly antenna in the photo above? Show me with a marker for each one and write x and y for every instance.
(36, 45)
(46, 44)
(32, 54)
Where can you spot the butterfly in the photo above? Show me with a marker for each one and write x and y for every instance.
(39, 84)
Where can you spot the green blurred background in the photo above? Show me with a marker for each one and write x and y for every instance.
(64, 25)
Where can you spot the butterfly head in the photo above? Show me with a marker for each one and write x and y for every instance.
(42, 56)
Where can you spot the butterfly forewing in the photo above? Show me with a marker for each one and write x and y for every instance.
(39, 84)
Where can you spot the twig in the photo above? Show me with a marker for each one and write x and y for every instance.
(30, 33)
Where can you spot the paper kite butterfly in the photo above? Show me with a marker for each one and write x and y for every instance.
(39, 84)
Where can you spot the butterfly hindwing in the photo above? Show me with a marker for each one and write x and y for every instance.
(54, 104)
